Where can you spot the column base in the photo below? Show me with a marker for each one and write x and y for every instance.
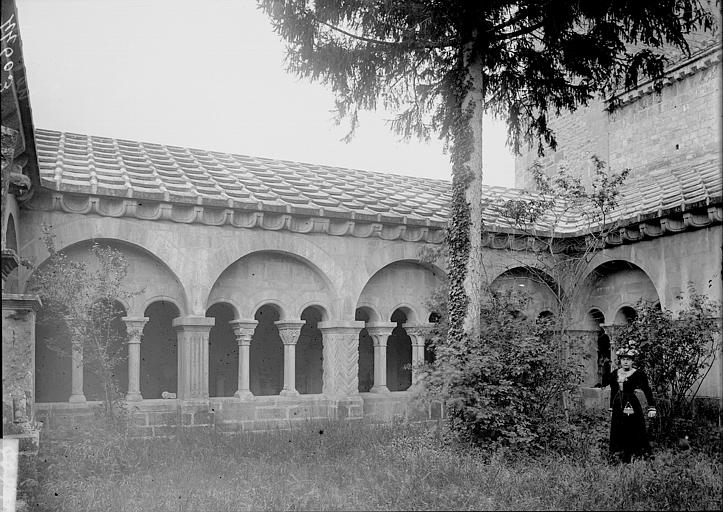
(134, 397)
(244, 395)
(379, 389)
(77, 399)
(289, 392)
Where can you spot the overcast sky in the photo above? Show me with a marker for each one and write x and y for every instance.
(204, 74)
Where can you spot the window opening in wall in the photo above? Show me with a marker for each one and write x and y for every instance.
(604, 355)
(159, 351)
(399, 355)
(366, 354)
(429, 354)
(309, 354)
(222, 352)
(266, 358)
(625, 315)
(11, 242)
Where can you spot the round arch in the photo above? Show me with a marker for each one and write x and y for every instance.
(309, 254)
(160, 246)
(280, 277)
(405, 283)
(616, 283)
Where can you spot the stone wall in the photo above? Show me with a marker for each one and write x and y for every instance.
(162, 418)
(680, 124)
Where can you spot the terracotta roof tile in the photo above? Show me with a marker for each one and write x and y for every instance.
(84, 164)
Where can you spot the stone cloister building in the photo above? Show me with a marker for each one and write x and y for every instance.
(272, 291)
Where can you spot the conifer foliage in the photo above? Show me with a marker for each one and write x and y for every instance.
(439, 64)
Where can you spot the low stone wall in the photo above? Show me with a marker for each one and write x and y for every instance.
(160, 418)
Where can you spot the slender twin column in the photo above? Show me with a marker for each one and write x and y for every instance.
(380, 332)
(134, 328)
(289, 331)
(341, 357)
(193, 334)
(243, 330)
(418, 334)
(76, 375)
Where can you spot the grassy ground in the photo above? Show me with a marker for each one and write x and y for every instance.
(341, 466)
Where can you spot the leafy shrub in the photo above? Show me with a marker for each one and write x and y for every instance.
(508, 388)
(677, 352)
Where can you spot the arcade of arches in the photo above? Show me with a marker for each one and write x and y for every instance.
(277, 355)
(267, 318)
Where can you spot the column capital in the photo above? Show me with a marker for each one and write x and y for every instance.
(418, 332)
(243, 330)
(134, 327)
(380, 331)
(341, 327)
(193, 323)
(289, 330)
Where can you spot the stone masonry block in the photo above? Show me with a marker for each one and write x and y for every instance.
(163, 418)
(308, 411)
(164, 431)
(436, 410)
(139, 419)
(272, 413)
(239, 411)
(204, 418)
(229, 427)
(138, 431)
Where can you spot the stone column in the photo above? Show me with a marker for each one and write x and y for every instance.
(341, 357)
(289, 332)
(134, 328)
(192, 332)
(76, 375)
(418, 334)
(243, 330)
(379, 333)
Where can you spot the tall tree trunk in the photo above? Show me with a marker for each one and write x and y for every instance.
(474, 275)
(464, 238)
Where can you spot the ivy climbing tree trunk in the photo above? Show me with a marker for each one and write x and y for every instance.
(465, 229)
(474, 101)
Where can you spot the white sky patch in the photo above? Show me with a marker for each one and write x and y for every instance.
(205, 74)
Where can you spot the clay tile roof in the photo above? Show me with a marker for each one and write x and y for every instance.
(101, 166)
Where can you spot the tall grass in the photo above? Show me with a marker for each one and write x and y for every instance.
(357, 466)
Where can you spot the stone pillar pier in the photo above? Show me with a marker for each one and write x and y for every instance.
(76, 375)
(341, 357)
(243, 330)
(418, 334)
(192, 332)
(134, 328)
(289, 332)
(379, 333)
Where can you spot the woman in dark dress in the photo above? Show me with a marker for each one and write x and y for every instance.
(628, 437)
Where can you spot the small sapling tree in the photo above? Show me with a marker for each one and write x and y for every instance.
(561, 261)
(86, 296)
(676, 351)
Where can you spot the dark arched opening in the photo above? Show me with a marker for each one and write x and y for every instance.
(309, 354)
(159, 351)
(429, 350)
(604, 355)
(399, 355)
(222, 352)
(266, 359)
(625, 315)
(366, 354)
